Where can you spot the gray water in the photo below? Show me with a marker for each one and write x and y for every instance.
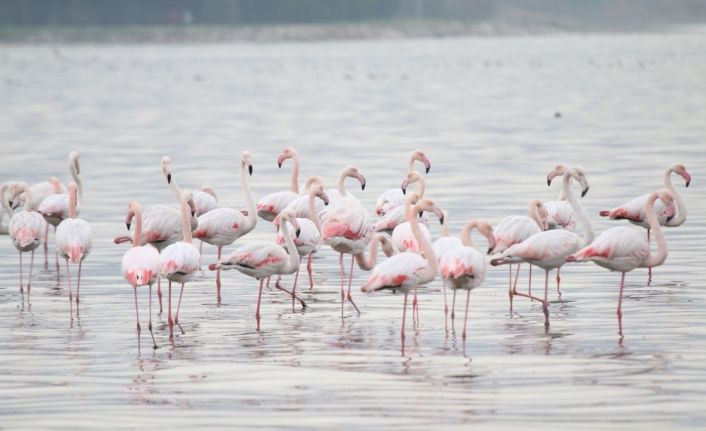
(484, 110)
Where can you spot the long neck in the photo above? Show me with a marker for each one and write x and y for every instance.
(313, 216)
(251, 218)
(186, 221)
(77, 178)
(28, 197)
(578, 209)
(430, 272)
(466, 234)
(387, 246)
(658, 258)
(534, 214)
(295, 174)
(5, 204)
(341, 186)
(291, 249)
(72, 202)
(445, 225)
(176, 191)
(680, 217)
(421, 186)
(137, 235)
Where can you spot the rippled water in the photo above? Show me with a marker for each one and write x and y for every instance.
(482, 109)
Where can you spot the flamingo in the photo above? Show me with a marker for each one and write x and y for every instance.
(141, 266)
(300, 205)
(464, 267)
(309, 239)
(392, 198)
(634, 210)
(263, 259)
(205, 200)
(388, 247)
(346, 227)
(402, 235)
(513, 230)
(223, 226)
(396, 216)
(25, 228)
(560, 214)
(623, 249)
(73, 239)
(180, 260)
(444, 243)
(549, 249)
(406, 270)
(269, 206)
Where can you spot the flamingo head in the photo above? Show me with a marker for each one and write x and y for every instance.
(665, 196)
(420, 156)
(167, 168)
(318, 191)
(287, 153)
(291, 217)
(352, 171)
(55, 185)
(429, 206)
(539, 213)
(210, 191)
(486, 230)
(411, 177)
(579, 174)
(133, 209)
(313, 180)
(681, 170)
(246, 161)
(558, 171)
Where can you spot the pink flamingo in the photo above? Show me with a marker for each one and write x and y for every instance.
(549, 249)
(140, 266)
(560, 214)
(623, 249)
(513, 230)
(180, 260)
(73, 239)
(396, 216)
(402, 234)
(263, 259)
(309, 239)
(407, 270)
(300, 205)
(464, 268)
(205, 200)
(269, 206)
(25, 228)
(393, 198)
(223, 226)
(346, 227)
(388, 247)
(634, 210)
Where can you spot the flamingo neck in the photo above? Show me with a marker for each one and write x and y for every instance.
(3, 201)
(534, 214)
(186, 220)
(658, 258)
(295, 174)
(680, 216)
(137, 235)
(466, 234)
(176, 191)
(76, 177)
(444, 224)
(430, 271)
(312, 211)
(583, 220)
(294, 260)
(28, 197)
(421, 186)
(73, 198)
(341, 186)
(251, 218)
(387, 247)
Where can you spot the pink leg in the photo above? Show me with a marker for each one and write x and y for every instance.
(22, 289)
(46, 247)
(558, 282)
(169, 313)
(159, 292)
(29, 281)
(545, 306)
(404, 316)
(268, 282)
(453, 307)
(218, 277)
(649, 270)
(529, 286)
(446, 310)
(308, 269)
(350, 283)
(620, 305)
(257, 310)
(294, 288)
(200, 255)
(343, 277)
(291, 293)
(517, 277)
(137, 316)
(68, 280)
(176, 316)
(415, 307)
(56, 257)
(154, 343)
(510, 292)
(465, 318)
(78, 282)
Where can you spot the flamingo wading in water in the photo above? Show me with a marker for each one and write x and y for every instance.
(393, 198)
(270, 205)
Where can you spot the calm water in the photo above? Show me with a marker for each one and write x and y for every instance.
(482, 109)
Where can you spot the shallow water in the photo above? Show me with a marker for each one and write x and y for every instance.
(483, 110)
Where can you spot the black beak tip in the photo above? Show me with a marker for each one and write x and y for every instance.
(169, 178)
(428, 168)
(362, 186)
(670, 218)
(250, 169)
(490, 250)
(279, 165)
(549, 182)
(127, 225)
(193, 213)
(404, 191)
(687, 183)
(299, 231)
(583, 193)
(441, 220)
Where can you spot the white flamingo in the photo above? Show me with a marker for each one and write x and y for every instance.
(392, 198)
(270, 205)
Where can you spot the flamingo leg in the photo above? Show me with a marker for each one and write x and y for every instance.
(517, 277)
(453, 307)
(465, 318)
(201, 257)
(529, 285)
(176, 316)
(649, 269)
(343, 277)
(137, 316)
(510, 292)
(294, 287)
(446, 310)
(558, 282)
(29, 281)
(308, 269)
(154, 343)
(290, 293)
(257, 310)
(620, 305)
(545, 306)
(169, 315)
(56, 256)
(46, 247)
(159, 292)
(78, 282)
(404, 316)
(22, 289)
(68, 280)
(415, 308)
(350, 283)
(268, 282)
(218, 276)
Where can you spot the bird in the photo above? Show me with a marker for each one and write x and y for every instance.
(549, 249)
(263, 259)
(667, 215)
(392, 198)
(623, 249)
(396, 216)
(560, 214)
(223, 226)
(73, 239)
(406, 270)
(25, 226)
(346, 227)
(445, 242)
(141, 266)
(402, 233)
(388, 247)
(270, 205)
(205, 200)
(180, 260)
(300, 205)
(513, 230)
(464, 268)
(309, 239)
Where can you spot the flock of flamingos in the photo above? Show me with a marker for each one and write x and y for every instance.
(162, 236)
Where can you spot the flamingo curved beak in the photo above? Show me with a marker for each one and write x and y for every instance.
(361, 178)
(427, 164)
(169, 178)
(687, 178)
(584, 191)
(127, 225)
(250, 169)
(550, 177)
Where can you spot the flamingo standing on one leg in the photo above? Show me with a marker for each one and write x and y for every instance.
(25, 229)
(180, 260)
(407, 270)
(270, 205)
(263, 259)
(513, 230)
(223, 226)
(205, 200)
(634, 210)
(549, 249)
(623, 249)
(393, 198)
(347, 227)
(73, 240)
(464, 267)
(141, 266)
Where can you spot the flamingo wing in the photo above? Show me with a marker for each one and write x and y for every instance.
(73, 239)
(272, 204)
(402, 270)
(513, 230)
(220, 226)
(389, 200)
(141, 265)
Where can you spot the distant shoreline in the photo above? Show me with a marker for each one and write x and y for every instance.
(296, 32)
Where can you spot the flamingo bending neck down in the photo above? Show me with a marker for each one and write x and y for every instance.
(141, 266)
(262, 259)
(392, 198)
(623, 249)
(73, 240)
(223, 226)
(549, 249)
(270, 205)
(396, 216)
(25, 228)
